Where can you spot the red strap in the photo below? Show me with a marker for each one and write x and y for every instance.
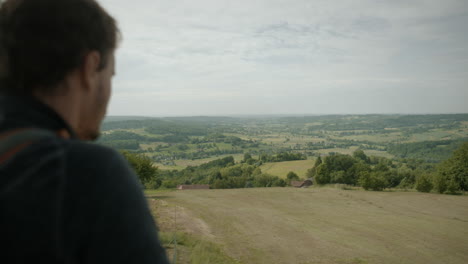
(14, 150)
(12, 132)
(63, 133)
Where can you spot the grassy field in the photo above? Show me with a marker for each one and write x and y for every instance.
(437, 135)
(392, 137)
(281, 169)
(350, 150)
(182, 164)
(315, 225)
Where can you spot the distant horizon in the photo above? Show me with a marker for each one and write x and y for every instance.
(284, 115)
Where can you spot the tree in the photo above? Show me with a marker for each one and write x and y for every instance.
(393, 178)
(248, 184)
(456, 168)
(337, 177)
(453, 187)
(339, 162)
(424, 183)
(335, 169)
(372, 181)
(257, 171)
(292, 176)
(381, 167)
(248, 159)
(408, 177)
(313, 171)
(169, 184)
(318, 161)
(143, 166)
(360, 155)
(440, 183)
(352, 175)
(322, 175)
(265, 180)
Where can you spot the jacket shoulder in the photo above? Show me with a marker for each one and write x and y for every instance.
(90, 151)
(90, 159)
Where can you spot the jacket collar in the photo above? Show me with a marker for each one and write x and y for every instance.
(28, 112)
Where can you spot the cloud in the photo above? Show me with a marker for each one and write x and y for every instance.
(227, 57)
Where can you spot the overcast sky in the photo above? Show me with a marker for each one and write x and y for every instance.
(219, 57)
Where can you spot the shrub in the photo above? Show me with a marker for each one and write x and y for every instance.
(143, 167)
(248, 184)
(423, 183)
(322, 175)
(405, 184)
(153, 183)
(337, 177)
(440, 183)
(169, 184)
(453, 187)
(372, 181)
(265, 180)
(292, 176)
(456, 169)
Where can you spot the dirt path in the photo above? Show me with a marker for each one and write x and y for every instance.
(177, 218)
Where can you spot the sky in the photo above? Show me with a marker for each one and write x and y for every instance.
(298, 57)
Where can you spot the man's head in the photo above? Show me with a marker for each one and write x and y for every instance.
(54, 48)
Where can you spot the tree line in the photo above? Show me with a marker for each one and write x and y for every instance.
(358, 169)
(371, 173)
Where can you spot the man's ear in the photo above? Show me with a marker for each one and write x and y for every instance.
(89, 69)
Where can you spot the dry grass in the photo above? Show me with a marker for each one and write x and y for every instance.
(324, 225)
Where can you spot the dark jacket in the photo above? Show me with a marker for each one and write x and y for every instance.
(68, 201)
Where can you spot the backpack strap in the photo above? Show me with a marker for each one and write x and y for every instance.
(12, 142)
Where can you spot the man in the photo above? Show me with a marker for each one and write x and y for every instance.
(63, 200)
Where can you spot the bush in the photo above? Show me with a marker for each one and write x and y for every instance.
(423, 183)
(248, 185)
(322, 175)
(405, 184)
(456, 168)
(154, 183)
(337, 177)
(372, 181)
(168, 184)
(440, 183)
(265, 180)
(453, 187)
(292, 176)
(143, 167)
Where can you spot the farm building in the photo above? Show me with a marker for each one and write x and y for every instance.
(301, 184)
(193, 187)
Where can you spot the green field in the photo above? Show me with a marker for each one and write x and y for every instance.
(174, 143)
(315, 225)
(281, 169)
(181, 164)
(350, 150)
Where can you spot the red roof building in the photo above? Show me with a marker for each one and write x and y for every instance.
(301, 184)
